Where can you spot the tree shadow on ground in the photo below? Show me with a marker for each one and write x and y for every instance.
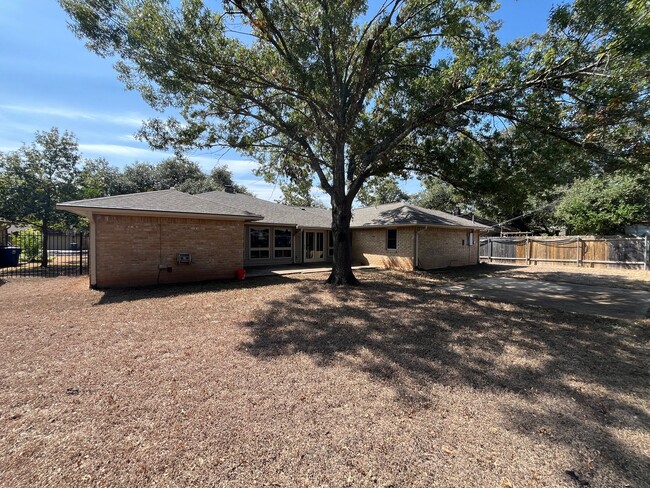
(133, 294)
(593, 279)
(461, 273)
(566, 275)
(409, 335)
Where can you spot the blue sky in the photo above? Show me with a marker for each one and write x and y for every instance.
(49, 79)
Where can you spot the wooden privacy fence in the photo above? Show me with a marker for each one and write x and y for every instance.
(607, 251)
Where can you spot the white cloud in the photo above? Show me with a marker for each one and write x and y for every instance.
(120, 150)
(131, 119)
(265, 191)
(127, 138)
(239, 167)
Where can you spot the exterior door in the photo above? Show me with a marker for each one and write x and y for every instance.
(314, 246)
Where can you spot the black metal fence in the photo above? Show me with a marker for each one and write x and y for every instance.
(21, 254)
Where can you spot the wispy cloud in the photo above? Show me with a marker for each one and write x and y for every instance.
(127, 138)
(121, 150)
(130, 119)
(243, 167)
(261, 190)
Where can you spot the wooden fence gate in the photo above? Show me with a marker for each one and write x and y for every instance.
(595, 252)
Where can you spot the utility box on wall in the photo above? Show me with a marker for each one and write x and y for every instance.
(183, 258)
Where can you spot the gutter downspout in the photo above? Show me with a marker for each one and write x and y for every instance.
(92, 271)
(417, 246)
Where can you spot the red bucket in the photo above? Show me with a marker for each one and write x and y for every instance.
(240, 274)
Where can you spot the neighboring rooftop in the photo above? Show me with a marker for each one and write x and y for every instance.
(405, 214)
(164, 201)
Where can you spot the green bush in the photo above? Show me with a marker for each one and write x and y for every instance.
(605, 204)
(30, 241)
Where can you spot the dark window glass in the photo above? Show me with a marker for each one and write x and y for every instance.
(259, 238)
(283, 238)
(259, 242)
(391, 239)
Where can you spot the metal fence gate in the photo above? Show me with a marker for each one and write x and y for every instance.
(21, 254)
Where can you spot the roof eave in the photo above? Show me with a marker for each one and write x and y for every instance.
(90, 211)
(416, 224)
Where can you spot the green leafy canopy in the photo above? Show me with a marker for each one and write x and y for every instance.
(343, 91)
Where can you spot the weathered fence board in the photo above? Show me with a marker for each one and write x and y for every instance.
(607, 251)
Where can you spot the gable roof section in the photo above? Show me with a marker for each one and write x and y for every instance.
(274, 213)
(401, 214)
(154, 203)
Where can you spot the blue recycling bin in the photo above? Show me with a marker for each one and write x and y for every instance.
(9, 256)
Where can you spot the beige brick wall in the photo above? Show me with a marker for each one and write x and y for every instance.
(130, 249)
(369, 247)
(440, 248)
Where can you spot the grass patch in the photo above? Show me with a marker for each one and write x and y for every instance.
(288, 382)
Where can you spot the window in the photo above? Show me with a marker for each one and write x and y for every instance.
(259, 242)
(391, 239)
(470, 238)
(282, 243)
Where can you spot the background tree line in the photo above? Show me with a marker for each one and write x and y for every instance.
(37, 176)
(51, 169)
(600, 204)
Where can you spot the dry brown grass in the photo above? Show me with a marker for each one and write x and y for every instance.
(286, 382)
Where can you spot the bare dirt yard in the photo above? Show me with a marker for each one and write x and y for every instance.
(287, 382)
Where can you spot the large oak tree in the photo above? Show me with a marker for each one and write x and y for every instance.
(344, 91)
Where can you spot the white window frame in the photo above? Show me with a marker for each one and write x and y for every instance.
(250, 243)
(330, 243)
(290, 248)
(387, 240)
(470, 238)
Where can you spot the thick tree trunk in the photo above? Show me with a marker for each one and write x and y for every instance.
(342, 259)
(45, 237)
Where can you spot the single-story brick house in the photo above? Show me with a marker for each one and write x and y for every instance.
(170, 236)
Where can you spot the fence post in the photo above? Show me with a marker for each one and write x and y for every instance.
(489, 249)
(578, 251)
(81, 253)
(527, 252)
(645, 253)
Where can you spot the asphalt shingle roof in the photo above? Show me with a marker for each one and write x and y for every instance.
(406, 214)
(220, 203)
(171, 201)
(274, 213)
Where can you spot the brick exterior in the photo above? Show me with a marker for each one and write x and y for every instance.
(440, 248)
(369, 247)
(129, 249)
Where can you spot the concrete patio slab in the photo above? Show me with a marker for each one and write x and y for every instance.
(601, 301)
(293, 269)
